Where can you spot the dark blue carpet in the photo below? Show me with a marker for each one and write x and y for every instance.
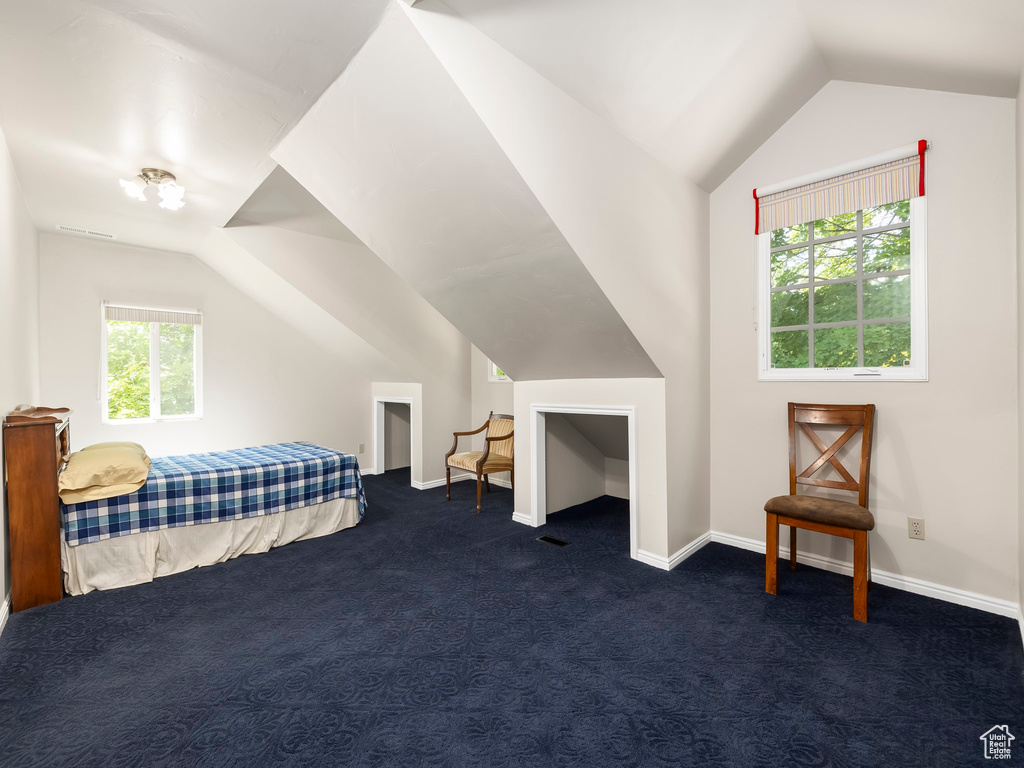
(430, 635)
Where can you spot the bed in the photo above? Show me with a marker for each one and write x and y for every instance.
(200, 509)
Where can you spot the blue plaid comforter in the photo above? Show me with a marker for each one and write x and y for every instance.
(210, 487)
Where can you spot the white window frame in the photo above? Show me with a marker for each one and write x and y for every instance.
(154, 365)
(492, 372)
(918, 368)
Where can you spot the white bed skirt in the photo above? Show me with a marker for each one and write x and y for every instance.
(138, 558)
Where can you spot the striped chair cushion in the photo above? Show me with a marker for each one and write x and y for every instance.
(469, 459)
(466, 460)
(500, 428)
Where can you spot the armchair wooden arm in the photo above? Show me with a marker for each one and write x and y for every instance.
(457, 435)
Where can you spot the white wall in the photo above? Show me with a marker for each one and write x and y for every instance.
(262, 381)
(364, 297)
(488, 396)
(397, 436)
(648, 397)
(616, 478)
(1020, 335)
(575, 468)
(640, 230)
(19, 317)
(397, 154)
(946, 449)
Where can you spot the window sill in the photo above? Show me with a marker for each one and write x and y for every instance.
(162, 420)
(892, 374)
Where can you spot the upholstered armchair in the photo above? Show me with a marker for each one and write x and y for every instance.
(495, 457)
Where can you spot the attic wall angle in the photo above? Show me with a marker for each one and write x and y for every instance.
(395, 151)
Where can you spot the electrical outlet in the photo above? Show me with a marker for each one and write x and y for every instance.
(915, 526)
(362, 447)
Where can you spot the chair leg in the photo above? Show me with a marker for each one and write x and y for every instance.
(771, 556)
(478, 494)
(487, 483)
(860, 576)
(792, 548)
(447, 483)
(512, 475)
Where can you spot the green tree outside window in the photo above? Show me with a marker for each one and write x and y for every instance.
(856, 284)
(132, 356)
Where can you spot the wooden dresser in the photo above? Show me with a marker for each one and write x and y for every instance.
(34, 442)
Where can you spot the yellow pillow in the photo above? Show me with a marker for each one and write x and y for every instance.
(97, 492)
(123, 444)
(101, 473)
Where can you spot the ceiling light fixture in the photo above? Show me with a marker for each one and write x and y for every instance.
(172, 194)
(136, 188)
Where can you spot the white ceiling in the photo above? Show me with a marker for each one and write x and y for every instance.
(280, 201)
(966, 46)
(396, 151)
(609, 434)
(94, 90)
(702, 84)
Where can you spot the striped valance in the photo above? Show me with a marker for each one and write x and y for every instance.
(143, 315)
(887, 178)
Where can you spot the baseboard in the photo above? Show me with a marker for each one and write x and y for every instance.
(668, 563)
(456, 479)
(521, 518)
(365, 471)
(895, 580)
(5, 611)
(428, 484)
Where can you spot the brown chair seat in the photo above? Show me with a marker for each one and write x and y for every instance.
(824, 511)
(469, 459)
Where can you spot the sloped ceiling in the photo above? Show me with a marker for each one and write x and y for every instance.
(676, 76)
(701, 84)
(280, 201)
(396, 152)
(95, 90)
(972, 46)
(609, 434)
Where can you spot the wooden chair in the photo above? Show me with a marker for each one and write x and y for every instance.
(813, 513)
(495, 457)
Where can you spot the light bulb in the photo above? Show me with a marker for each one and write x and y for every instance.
(172, 204)
(170, 190)
(136, 188)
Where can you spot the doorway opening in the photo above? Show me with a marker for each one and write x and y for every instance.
(392, 435)
(580, 453)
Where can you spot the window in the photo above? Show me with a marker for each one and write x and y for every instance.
(152, 363)
(496, 374)
(844, 297)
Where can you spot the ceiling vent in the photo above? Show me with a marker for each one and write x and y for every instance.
(86, 232)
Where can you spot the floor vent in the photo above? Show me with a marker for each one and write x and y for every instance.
(86, 232)
(552, 540)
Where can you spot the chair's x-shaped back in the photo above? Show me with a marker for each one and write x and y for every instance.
(854, 418)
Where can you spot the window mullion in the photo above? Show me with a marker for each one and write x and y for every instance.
(860, 289)
(154, 370)
(810, 294)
